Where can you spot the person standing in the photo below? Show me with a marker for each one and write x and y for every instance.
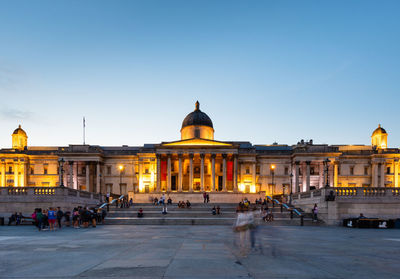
(315, 213)
(204, 197)
(208, 198)
(51, 216)
(60, 215)
(242, 227)
(39, 218)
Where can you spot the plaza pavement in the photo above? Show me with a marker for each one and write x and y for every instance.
(198, 252)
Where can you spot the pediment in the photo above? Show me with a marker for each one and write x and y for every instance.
(196, 142)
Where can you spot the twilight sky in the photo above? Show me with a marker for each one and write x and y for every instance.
(264, 71)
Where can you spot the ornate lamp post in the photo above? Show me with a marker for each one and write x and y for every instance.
(326, 164)
(61, 167)
(272, 167)
(121, 169)
(291, 189)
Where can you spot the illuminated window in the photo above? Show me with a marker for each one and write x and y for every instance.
(146, 170)
(45, 169)
(10, 170)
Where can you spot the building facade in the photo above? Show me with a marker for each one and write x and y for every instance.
(197, 162)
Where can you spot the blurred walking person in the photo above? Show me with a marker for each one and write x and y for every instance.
(242, 226)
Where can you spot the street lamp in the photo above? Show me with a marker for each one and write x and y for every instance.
(272, 167)
(326, 164)
(291, 189)
(121, 169)
(62, 172)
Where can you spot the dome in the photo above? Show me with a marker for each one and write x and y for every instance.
(197, 117)
(19, 131)
(379, 131)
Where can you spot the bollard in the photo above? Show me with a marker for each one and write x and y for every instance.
(291, 214)
(301, 220)
(281, 208)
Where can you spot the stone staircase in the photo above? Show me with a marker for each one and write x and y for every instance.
(198, 214)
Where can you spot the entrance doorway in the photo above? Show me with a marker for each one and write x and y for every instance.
(220, 181)
(173, 183)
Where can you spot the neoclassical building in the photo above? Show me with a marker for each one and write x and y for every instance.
(197, 162)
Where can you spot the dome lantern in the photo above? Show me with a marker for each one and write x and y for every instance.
(379, 138)
(19, 139)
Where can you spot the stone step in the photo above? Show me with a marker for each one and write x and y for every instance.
(191, 214)
(195, 221)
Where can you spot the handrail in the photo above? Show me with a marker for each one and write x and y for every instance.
(285, 206)
(110, 203)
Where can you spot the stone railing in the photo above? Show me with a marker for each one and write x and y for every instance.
(45, 191)
(350, 192)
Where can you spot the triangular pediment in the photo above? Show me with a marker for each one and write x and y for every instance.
(196, 142)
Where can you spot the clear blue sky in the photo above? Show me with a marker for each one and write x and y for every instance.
(264, 71)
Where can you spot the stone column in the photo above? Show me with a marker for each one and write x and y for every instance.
(213, 172)
(235, 171)
(296, 177)
(191, 172)
(24, 181)
(71, 175)
(98, 178)
(304, 177)
(140, 169)
(76, 186)
(158, 187)
(373, 177)
(202, 188)
(3, 174)
(382, 182)
(335, 174)
(169, 173)
(308, 176)
(396, 172)
(16, 169)
(321, 175)
(180, 177)
(254, 174)
(223, 172)
(88, 177)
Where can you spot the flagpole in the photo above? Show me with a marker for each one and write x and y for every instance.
(84, 126)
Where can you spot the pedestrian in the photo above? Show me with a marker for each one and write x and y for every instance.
(218, 210)
(242, 227)
(315, 213)
(204, 197)
(254, 218)
(164, 210)
(39, 218)
(52, 216)
(214, 211)
(60, 215)
(140, 213)
(75, 218)
(208, 198)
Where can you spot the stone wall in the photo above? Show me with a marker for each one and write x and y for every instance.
(350, 202)
(215, 197)
(26, 199)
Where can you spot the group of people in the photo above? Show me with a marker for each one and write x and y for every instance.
(216, 210)
(15, 218)
(161, 201)
(54, 218)
(183, 204)
(206, 197)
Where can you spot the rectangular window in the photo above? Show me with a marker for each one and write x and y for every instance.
(388, 170)
(221, 167)
(32, 170)
(312, 171)
(247, 170)
(172, 167)
(351, 170)
(365, 170)
(45, 169)
(109, 170)
(10, 170)
(146, 170)
(338, 170)
(257, 169)
(286, 170)
(83, 170)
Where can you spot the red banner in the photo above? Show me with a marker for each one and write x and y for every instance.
(229, 170)
(163, 170)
